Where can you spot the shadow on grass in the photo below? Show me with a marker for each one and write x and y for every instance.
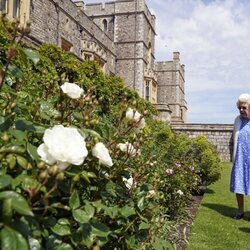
(209, 191)
(222, 209)
(245, 229)
(226, 211)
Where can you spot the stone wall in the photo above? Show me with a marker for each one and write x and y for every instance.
(54, 20)
(120, 36)
(218, 134)
(171, 81)
(132, 27)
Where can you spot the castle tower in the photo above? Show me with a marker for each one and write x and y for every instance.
(132, 27)
(171, 81)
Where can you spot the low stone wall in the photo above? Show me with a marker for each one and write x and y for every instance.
(218, 134)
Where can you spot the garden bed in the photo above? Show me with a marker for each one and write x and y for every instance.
(184, 228)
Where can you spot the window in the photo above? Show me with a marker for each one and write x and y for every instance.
(3, 5)
(147, 90)
(105, 25)
(16, 8)
(87, 57)
(66, 45)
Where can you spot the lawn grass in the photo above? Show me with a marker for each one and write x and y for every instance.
(213, 226)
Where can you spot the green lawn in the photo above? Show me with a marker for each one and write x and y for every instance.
(213, 227)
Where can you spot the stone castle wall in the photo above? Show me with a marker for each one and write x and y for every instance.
(120, 36)
(171, 80)
(218, 134)
(132, 27)
(52, 20)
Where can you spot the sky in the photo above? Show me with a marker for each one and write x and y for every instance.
(213, 38)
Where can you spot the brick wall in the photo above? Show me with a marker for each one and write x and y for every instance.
(218, 134)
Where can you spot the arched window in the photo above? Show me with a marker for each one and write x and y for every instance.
(105, 25)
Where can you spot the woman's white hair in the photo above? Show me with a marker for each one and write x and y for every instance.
(243, 98)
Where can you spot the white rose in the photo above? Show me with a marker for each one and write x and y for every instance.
(102, 153)
(128, 148)
(63, 146)
(180, 192)
(72, 90)
(136, 117)
(128, 182)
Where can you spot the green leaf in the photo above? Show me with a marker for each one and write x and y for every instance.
(34, 244)
(5, 123)
(89, 133)
(27, 182)
(141, 203)
(32, 150)
(47, 111)
(78, 116)
(5, 180)
(127, 211)
(32, 54)
(90, 210)
(19, 204)
(144, 225)
(11, 159)
(12, 240)
(86, 175)
(64, 246)
(12, 149)
(161, 244)
(62, 227)
(88, 238)
(22, 161)
(81, 216)
(99, 229)
(74, 201)
(24, 125)
(15, 71)
(63, 221)
(110, 188)
(18, 134)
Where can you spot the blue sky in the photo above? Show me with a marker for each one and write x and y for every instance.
(213, 38)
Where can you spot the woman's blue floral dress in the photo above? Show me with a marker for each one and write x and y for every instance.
(240, 175)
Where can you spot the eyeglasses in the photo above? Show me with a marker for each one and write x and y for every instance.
(244, 108)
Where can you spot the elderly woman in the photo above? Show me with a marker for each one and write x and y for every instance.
(240, 175)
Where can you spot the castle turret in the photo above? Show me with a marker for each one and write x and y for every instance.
(171, 79)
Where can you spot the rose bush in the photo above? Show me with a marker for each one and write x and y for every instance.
(66, 180)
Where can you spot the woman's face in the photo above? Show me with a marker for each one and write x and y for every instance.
(244, 109)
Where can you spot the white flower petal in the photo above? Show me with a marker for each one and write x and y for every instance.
(128, 148)
(72, 90)
(102, 153)
(64, 145)
(42, 150)
(128, 182)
